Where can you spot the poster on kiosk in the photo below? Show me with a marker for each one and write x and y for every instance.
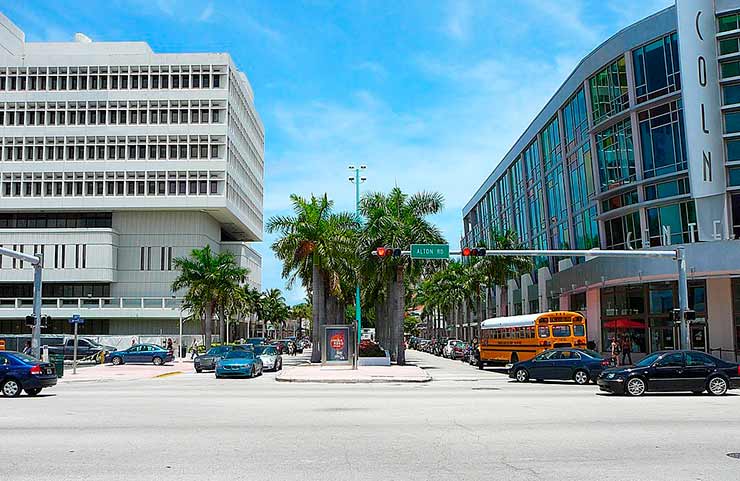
(337, 345)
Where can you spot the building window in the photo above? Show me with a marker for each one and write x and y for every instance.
(615, 154)
(671, 188)
(731, 94)
(730, 69)
(663, 140)
(575, 120)
(733, 176)
(578, 302)
(657, 68)
(728, 46)
(623, 232)
(736, 215)
(586, 230)
(670, 224)
(619, 201)
(609, 91)
(728, 22)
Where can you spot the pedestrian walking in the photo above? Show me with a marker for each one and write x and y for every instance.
(626, 351)
(291, 348)
(615, 350)
(27, 349)
(133, 341)
(193, 348)
(170, 346)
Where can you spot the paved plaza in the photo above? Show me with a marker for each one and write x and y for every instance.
(464, 424)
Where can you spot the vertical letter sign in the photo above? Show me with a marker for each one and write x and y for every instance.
(703, 120)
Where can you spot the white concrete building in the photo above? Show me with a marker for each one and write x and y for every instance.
(113, 161)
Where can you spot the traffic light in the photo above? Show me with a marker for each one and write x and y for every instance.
(387, 252)
(689, 315)
(473, 252)
(31, 320)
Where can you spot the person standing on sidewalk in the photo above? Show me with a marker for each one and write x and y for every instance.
(27, 349)
(193, 349)
(615, 350)
(626, 351)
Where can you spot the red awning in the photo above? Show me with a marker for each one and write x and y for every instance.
(624, 323)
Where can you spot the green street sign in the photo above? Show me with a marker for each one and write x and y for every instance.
(430, 251)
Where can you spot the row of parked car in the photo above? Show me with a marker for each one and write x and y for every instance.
(663, 371)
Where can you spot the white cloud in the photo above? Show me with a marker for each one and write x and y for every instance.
(207, 13)
(373, 68)
(458, 20)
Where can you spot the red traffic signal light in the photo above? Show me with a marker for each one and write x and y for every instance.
(387, 252)
(474, 252)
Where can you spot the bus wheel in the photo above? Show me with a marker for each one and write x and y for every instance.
(514, 358)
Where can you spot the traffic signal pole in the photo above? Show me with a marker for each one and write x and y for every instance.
(36, 262)
(678, 254)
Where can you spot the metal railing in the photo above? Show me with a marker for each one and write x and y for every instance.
(94, 303)
(721, 351)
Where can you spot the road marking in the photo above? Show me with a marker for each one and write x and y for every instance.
(168, 374)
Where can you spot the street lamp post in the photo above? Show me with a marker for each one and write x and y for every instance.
(357, 180)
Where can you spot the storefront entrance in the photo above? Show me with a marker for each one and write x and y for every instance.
(698, 333)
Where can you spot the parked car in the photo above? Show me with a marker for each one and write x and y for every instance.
(670, 371)
(239, 363)
(207, 361)
(142, 353)
(256, 341)
(19, 372)
(86, 348)
(449, 347)
(271, 358)
(580, 365)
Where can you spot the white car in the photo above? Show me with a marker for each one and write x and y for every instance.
(271, 359)
(448, 350)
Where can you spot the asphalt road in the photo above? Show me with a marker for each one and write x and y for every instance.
(465, 424)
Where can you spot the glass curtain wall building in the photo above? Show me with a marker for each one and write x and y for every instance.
(638, 149)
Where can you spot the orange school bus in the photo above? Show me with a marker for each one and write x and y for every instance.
(518, 338)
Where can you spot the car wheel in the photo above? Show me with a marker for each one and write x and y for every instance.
(198, 370)
(117, 361)
(11, 388)
(635, 387)
(717, 386)
(34, 391)
(218, 376)
(251, 373)
(522, 375)
(157, 361)
(581, 377)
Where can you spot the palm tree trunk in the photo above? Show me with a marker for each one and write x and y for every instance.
(209, 325)
(398, 308)
(222, 324)
(380, 323)
(317, 299)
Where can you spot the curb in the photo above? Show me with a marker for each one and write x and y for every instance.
(374, 380)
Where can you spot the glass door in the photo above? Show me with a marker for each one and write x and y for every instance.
(698, 332)
(662, 338)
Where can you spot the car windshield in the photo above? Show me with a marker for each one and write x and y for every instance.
(216, 351)
(646, 361)
(269, 351)
(239, 354)
(25, 358)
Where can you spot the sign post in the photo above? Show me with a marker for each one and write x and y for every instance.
(76, 320)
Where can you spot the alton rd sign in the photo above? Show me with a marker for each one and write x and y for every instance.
(430, 251)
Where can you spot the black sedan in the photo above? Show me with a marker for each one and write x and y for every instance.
(207, 361)
(580, 365)
(673, 371)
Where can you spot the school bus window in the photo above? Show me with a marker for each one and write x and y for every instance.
(561, 331)
(579, 330)
(544, 331)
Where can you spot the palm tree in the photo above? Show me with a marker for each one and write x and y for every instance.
(398, 220)
(497, 270)
(317, 247)
(209, 279)
(275, 309)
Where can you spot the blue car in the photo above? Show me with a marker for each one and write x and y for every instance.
(239, 363)
(580, 365)
(19, 372)
(142, 353)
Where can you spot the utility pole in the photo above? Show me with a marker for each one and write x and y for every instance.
(357, 180)
(36, 262)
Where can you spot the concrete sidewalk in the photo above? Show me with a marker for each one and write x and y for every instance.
(364, 374)
(125, 372)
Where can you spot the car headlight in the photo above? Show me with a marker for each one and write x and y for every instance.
(610, 375)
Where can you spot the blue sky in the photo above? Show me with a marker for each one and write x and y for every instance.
(428, 94)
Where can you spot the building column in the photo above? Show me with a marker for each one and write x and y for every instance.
(593, 317)
(720, 316)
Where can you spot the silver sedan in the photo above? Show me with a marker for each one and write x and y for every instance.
(271, 359)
